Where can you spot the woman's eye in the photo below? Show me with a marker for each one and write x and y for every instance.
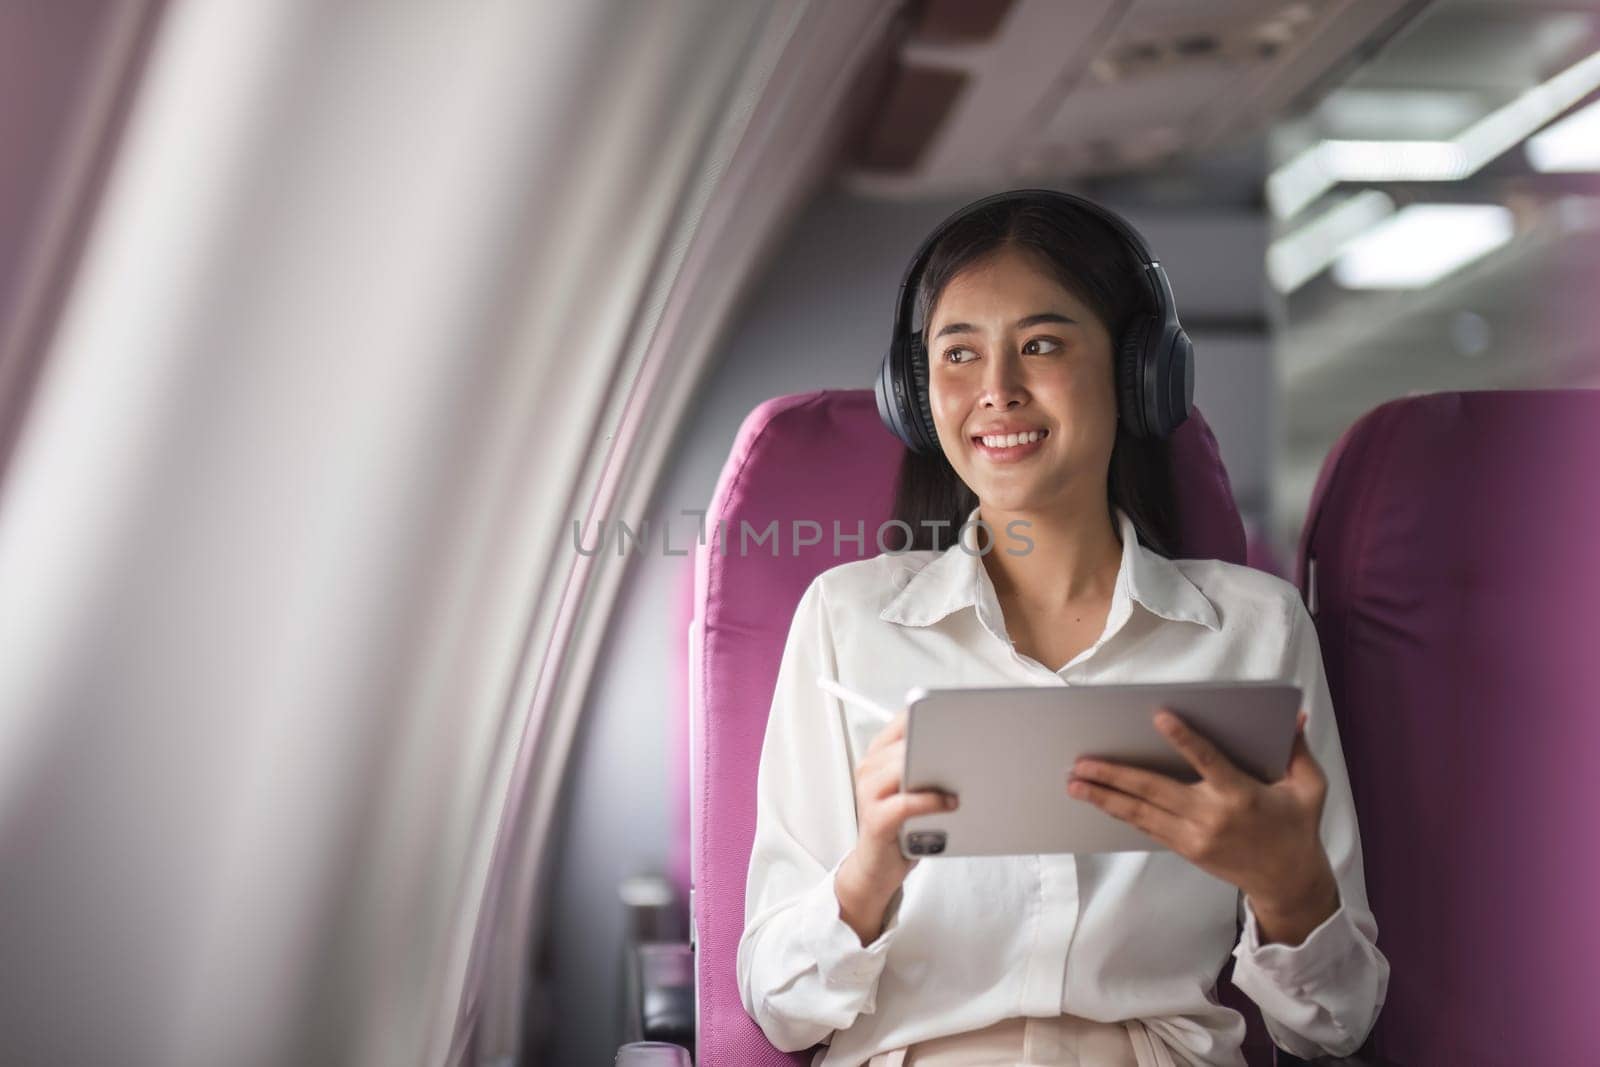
(959, 355)
(1032, 347)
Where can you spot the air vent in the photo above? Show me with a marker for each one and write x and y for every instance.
(1247, 41)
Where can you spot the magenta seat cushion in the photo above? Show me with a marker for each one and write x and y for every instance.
(1454, 540)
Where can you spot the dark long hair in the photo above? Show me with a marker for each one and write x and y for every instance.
(1092, 261)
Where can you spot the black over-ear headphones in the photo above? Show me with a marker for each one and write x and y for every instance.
(1154, 357)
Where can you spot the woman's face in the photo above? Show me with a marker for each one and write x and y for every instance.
(1010, 351)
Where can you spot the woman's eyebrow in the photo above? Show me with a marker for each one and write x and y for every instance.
(1040, 319)
(1022, 324)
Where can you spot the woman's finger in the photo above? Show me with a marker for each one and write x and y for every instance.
(1165, 793)
(1303, 766)
(1202, 755)
(892, 753)
(903, 806)
(883, 781)
(1161, 825)
(873, 761)
(889, 734)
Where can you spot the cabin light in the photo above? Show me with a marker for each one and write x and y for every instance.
(1573, 144)
(1421, 244)
(1295, 259)
(1319, 168)
(1399, 114)
(1396, 161)
(1300, 181)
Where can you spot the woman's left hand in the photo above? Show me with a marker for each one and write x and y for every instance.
(1262, 838)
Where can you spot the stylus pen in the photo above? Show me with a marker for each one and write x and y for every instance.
(850, 696)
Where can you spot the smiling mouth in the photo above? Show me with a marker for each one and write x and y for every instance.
(1005, 448)
(1011, 440)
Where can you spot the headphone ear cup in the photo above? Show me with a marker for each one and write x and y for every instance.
(1131, 361)
(1175, 383)
(902, 395)
(889, 410)
(921, 401)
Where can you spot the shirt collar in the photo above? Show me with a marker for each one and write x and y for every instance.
(957, 579)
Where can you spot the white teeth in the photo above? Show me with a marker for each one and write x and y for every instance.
(1011, 440)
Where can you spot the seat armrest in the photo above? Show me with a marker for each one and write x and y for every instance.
(660, 992)
(653, 1054)
(657, 965)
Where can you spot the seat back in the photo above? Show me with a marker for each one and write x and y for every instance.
(1452, 560)
(819, 457)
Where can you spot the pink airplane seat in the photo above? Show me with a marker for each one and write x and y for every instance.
(819, 456)
(1451, 559)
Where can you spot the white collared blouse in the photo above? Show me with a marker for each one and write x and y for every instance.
(969, 942)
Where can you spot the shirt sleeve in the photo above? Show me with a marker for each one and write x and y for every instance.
(1322, 996)
(803, 972)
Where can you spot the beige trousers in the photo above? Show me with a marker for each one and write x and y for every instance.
(1067, 1041)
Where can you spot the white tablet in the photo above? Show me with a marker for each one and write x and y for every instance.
(1007, 753)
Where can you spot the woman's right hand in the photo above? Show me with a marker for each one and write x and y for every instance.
(870, 876)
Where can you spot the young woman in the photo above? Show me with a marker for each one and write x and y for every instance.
(1102, 959)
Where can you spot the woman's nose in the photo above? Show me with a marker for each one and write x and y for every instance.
(1002, 384)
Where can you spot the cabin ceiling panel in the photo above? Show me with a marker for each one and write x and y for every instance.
(1059, 91)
